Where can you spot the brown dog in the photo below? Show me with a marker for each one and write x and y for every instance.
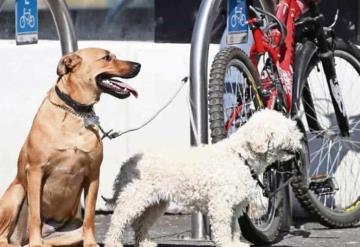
(63, 152)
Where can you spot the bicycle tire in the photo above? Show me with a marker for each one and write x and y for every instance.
(310, 198)
(22, 22)
(223, 61)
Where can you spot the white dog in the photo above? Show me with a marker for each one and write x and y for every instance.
(212, 179)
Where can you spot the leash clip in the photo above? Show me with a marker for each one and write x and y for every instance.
(94, 120)
(106, 134)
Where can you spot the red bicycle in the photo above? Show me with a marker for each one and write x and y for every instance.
(299, 67)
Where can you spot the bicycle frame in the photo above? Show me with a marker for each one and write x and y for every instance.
(281, 54)
(198, 64)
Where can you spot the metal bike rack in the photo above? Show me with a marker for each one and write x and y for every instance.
(64, 25)
(198, 90)
(268, 6)
(1, 3)
(198, 69)
(66, 32)
(198, 86)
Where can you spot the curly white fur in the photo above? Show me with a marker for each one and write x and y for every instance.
(212, 179)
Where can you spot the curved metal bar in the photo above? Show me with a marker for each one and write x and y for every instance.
(66, 32)
(1, 4)
(64, 25)
(198, 90)
(268, 6)
(198, 69)
(198, 85)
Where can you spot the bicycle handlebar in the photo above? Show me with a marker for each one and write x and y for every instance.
(282, 28)
(309, 19)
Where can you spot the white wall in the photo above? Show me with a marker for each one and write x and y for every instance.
(27, 73)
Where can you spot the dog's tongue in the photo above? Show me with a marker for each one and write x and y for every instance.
(124, 85)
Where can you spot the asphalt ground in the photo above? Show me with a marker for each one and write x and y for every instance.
(175, 230)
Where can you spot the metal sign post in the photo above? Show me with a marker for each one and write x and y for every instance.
(26, 22)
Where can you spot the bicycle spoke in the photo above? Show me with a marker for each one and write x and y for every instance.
(332, 156)
(336, 159)
(319, 151)
(319, 133)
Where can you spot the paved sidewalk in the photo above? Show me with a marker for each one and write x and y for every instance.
(175, 230)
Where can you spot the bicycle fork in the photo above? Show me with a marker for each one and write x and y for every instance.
(327, 59)
(328, 63)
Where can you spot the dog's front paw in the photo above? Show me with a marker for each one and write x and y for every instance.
(235, 243)
(147, 243)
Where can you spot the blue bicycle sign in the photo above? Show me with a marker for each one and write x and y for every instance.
(237, 26)
(26, 21)
(238, 17)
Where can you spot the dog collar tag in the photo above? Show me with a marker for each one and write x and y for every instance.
(92, 120)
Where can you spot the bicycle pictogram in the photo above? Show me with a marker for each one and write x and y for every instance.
(27, 19)
(238, 17)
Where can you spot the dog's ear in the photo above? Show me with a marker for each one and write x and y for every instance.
(259, 142)
(67, 63)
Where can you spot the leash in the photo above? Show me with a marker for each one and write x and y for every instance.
(254, 175)
(112, 135)
(90, 118)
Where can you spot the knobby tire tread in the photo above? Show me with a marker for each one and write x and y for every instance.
(216, 118)
(300, 187)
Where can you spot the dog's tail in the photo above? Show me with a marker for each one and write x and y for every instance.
(10, 205)
(127, 174)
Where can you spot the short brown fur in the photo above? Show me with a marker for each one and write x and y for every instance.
(61, 158)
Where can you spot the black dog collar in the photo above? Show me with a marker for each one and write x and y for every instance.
(76, 106)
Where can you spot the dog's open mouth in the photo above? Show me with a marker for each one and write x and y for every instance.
(112, 85)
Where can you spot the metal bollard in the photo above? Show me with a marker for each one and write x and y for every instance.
(200, 227)
(197, 224)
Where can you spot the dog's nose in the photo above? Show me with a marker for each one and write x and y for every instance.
(136, 67)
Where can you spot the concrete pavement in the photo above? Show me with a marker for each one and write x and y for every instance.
(175, 230)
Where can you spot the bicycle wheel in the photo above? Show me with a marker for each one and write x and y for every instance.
(233, 98)
(329, 186)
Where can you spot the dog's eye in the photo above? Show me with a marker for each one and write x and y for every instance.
(107, 57)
